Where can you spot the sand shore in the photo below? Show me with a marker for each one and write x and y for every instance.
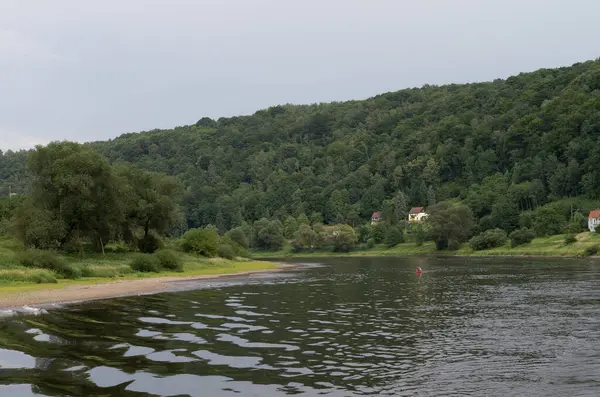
(114, 289)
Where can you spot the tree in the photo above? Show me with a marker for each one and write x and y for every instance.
(343, 238)
(290, 226)
(203, 242)
(305, 238)
(77, 191)
(394, 236)
(451, 224)
(268, 234)
(150, 201)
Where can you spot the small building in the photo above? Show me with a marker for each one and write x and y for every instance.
(593, 220)
(376, 218)
(417, 214)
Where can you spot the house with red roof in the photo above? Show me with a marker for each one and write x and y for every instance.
(417, 214)
(593, 220)
(376, 218)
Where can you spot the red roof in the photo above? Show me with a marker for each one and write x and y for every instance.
(594, 214)
(376, 215)
(416, 210)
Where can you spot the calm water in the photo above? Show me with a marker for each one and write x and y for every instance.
(353, 327)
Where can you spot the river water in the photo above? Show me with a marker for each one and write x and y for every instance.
(351, 327)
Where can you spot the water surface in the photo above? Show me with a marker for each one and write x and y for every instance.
(353, 327)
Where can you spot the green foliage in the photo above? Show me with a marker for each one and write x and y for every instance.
(507, 147)
(170, 260)
(570, 239)
(593, 250)
(370, 243)
(304, 239)
(379, 232)
(48, 260)
(149, 244)
(489, 239)
(343, 238)
(268, 235)
(145, 263)
(203, 242)
(36, 276)
(238, 237)
(450, 223)
(521, 237)
(394, 236)
(226, 251)
(78, 198)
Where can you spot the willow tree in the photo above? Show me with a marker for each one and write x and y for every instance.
(75, 194)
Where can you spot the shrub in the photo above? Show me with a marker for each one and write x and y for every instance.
(454, 245)
(570, 239)
(169, 259)
(145, 263)
(489, 239)
(238, 236)
(593, 250)
(149, 244)
(370, 243)
(203, 242)
(48, 260)
(226, 251)
(521, 237)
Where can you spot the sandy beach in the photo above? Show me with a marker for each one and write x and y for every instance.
(113, 289)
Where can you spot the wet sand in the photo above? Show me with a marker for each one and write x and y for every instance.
(114, 289)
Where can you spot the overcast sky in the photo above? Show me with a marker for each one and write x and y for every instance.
(89, 70)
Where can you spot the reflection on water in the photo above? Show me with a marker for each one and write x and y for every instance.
(360, 326)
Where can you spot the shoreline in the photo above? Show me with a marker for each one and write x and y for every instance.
(79, 293)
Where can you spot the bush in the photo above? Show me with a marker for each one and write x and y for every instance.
(593, 250)
(170, 260)
(203, 242)
(489, 239)
(521, 237)
(48, 260)
(145, 263)
(570, 239)
(226, 251)
(370, 243)
(149, 244)
(238, 236)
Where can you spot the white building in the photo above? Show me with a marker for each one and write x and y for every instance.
(593, 220)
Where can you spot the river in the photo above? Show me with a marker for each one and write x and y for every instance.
(348, 327)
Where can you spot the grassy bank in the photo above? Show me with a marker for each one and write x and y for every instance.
(98, 268)
(542, 246)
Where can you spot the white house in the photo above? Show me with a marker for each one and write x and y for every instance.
(417, 214)
(593, 220)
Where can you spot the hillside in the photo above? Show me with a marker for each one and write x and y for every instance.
(505, 147)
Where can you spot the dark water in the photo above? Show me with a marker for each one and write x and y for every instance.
(467, 327)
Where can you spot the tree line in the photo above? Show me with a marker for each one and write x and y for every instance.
(522, 152)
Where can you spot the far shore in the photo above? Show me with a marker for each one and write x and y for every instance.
(49, 294)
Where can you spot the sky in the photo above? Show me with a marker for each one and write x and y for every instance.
(83, 71)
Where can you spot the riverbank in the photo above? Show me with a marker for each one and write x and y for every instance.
(553, 246)
(71, 291)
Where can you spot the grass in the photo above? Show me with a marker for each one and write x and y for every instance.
(541, 246)
(98, 268)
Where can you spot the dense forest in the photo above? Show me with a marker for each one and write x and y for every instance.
(519, 152)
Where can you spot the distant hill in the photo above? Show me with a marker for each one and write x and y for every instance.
(505, 147)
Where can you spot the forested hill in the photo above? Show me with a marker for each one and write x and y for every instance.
(505, 147)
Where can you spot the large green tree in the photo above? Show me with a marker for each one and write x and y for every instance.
(450, 224)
